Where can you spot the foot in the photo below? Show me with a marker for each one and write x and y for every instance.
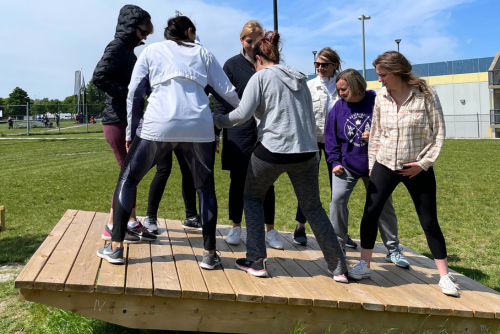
(114, 256)
(234, 236)
(210, 261)
(193, 224)
(398, 259)
(339, 278)
(151, 223)
(299, 236)
(255, 268)
(141, 232)
(360, 271)
(447, 286)
(349, 243)
(273, 239)
(129, 238)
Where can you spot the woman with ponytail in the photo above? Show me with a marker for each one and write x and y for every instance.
(406, 139)
(286, 143)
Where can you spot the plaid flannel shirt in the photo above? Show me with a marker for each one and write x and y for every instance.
(414, 134)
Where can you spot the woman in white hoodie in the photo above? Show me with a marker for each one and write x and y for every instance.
(178, 117)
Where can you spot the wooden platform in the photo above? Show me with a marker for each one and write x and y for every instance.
(162, 287)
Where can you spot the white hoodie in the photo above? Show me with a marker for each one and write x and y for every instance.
(178, 108)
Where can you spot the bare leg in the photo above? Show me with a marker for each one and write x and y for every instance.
(366, 255)
(115, 244)
(269, 227)
(133, 217)
(442, 266)
(236, 225)
(300, 225)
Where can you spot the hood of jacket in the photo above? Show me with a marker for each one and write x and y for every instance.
(292, 78)
(128, 20)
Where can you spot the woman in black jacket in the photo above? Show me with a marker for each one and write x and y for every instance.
(239, 142)
(112, 75)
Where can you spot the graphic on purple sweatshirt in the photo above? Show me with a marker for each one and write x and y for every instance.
(345, 124)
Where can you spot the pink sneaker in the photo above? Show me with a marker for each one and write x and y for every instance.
(341, 279)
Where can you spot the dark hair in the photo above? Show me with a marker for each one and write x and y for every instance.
(332, 57)
(149, 25)
(397, 64)
(268, 47)
(176, 30)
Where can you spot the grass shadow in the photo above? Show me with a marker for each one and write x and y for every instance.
(20, 248)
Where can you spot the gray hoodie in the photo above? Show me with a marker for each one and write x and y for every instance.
(279, 98)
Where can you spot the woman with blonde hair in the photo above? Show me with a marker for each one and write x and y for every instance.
(406, 139)
(239, 142)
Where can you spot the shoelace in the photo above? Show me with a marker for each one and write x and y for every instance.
(448, 284)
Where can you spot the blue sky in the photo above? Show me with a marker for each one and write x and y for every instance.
(44, 42)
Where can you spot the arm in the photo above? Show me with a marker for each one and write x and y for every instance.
(110, 63)
(374, 142)
(436, 123)
(332, 145)
(220, 82)
(249, 103)
(139, 86)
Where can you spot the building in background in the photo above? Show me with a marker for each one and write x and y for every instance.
(462, 86)
(494, 86)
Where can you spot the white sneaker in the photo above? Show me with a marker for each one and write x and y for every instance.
(452, 278)
(447, 286)
(233, 238)
(273, 238)
(360, 271)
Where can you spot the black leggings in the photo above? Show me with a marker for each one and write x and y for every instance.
(144, 155)
(299, 216)
(422, 189)
(157, 187)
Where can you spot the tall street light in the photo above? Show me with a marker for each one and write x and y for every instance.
(363, 18)
(398, 41)
(314, 56)
(275, 10)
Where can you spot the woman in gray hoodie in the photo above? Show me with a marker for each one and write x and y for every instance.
(278, 97)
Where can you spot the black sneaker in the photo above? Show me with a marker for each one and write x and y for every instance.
(151, 223)
(299, 236)
(192, 224)
(129, 238)
(210, 261)
(349, 243)
(142, 232)
(256, 268)
(114, 256)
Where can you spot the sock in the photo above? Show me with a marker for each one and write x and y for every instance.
(110, 227)
(193, 219)
(132, 224)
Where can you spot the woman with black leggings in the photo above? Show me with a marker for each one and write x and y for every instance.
(406, 139)
(178, 117)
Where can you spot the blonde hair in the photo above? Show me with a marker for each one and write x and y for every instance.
(395, 63)
(355, 81)
(250, 27)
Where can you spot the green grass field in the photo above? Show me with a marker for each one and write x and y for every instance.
(68, 126)
(41, 178)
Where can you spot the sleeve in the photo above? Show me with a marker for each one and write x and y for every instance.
(112, 61)
(250, 101)
(436, 124)
(220, 82)
(137, 90)
(332, 144)
(374, 142)
(221, 106)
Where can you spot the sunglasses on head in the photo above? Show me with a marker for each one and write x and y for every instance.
(144, 33)
(318, 65)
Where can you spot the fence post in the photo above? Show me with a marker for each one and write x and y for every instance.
(2, 218)
(59, 115)
(28, 118)
(478, 134)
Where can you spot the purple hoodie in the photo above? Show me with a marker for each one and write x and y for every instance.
(344, 126)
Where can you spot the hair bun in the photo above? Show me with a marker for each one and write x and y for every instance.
(275, 38)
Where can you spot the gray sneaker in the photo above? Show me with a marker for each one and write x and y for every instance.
(114, 256)
(210, 261)
(398, 259)
(151, 223)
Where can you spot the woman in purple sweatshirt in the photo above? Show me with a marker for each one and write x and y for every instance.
(346, 142)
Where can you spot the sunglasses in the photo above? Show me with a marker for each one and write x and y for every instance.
(143, 32)
(318, 65)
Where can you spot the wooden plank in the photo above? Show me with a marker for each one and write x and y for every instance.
(344, 298)
(111, 278)
(84, 272)
(216, 281)
(165, 279)
(2, 218)
(190, 277)
(56, 270)
(271, 292)
(242, 285)
(37, 262)
(139, 280)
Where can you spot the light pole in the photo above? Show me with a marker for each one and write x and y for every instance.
(398, 41)
(363, 18)
(275, 10)
(314, 56)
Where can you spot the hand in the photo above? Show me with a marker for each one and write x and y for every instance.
(128, 143)
(365, 136)
(370, 173)
(412, 171)
(338, 170)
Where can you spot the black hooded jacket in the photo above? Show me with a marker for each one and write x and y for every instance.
(114, 71)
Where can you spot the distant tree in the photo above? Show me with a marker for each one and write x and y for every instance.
(17, 97)
(211, 98)
(94, 95)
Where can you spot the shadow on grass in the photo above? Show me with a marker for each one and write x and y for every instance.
(19, 249)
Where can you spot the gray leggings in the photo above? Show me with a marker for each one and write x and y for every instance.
(342, 187)
(304, 176)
